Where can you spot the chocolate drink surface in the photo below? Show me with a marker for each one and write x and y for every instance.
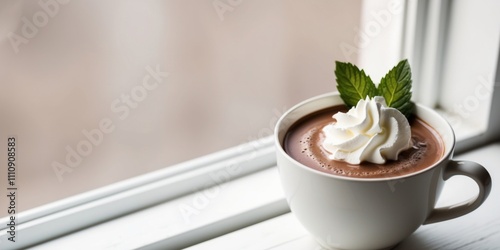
(303, 143)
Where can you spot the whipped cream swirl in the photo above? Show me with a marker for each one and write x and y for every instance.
(370, 132)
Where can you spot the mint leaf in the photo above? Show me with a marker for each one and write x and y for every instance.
(353, 84)
(395, 87)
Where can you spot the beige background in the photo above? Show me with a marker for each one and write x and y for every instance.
(228, 80)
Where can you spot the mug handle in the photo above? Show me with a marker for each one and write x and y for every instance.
(472, 170)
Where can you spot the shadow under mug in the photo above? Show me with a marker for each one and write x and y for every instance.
(371, 213)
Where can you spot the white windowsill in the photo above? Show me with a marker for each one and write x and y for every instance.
(225, 221)
(477, 230)
(465, 130)
(165, 226)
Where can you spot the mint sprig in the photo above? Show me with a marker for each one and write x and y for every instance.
(395, 87)
(353, 85)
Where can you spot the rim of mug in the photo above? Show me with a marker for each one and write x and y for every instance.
(448, 151)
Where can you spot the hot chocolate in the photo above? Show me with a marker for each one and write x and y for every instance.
(303, 143)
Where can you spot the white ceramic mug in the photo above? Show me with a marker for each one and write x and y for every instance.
(371, 213)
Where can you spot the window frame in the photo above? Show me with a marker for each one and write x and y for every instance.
(118, 199)
(424, 41)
